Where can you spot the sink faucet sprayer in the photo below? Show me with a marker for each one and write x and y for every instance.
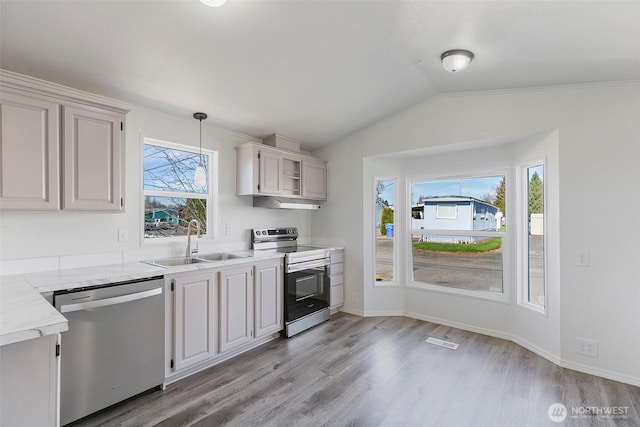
(189, 251)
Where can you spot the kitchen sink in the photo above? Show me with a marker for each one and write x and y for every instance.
(172, 262)
(177, 261)
(221, 256)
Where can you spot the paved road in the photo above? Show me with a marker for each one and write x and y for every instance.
(465, 271)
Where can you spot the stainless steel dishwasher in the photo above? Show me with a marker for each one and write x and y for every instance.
(114, 348)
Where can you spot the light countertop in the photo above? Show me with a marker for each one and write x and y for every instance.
(26, 314)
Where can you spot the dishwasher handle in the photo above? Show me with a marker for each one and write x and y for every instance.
(68, 308)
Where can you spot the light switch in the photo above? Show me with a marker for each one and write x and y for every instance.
(123, 234)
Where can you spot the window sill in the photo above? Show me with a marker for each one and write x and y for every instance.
(533, 308)
(487, 296)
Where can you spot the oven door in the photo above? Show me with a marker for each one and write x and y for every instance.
(307, 291)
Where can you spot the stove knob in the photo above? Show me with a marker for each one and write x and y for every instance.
(264, 232)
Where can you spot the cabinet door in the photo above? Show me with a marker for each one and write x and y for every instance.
(29, 382)
(270, 173)
(236, 307)
(93, 159)
(268, 298)
(314, 180)
(195, 319)
(29, 152)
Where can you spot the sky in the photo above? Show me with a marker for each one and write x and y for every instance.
(472, 187)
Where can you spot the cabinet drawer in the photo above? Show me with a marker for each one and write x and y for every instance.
(337, 280)
(335, 269)
(337, 256)
(337, 295)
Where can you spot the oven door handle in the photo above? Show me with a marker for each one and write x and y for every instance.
(292, 268)
(68, 308)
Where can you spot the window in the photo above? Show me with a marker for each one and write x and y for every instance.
(446, 211)
(457, 239)
(384, 230)
(534, 282)
(171, 199)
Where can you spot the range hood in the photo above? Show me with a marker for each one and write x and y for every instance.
(277, 202)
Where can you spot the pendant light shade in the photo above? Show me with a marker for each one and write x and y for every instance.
(456, 60)
(200, 175)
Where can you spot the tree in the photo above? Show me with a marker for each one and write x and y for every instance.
(499, 200)
(536, 194)
(385, 218)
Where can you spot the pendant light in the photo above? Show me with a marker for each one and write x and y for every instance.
(200, 175)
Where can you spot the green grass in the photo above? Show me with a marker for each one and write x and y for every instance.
(483, 246)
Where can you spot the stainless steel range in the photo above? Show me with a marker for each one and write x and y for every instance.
(306, 278)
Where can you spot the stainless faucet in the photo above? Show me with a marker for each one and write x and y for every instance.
(189, 251)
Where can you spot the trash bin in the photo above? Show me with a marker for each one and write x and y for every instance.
(389, 228)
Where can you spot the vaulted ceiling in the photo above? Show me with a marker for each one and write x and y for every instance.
(313, 70)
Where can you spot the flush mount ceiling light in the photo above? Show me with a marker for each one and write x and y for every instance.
(213, 3)
(200, 175)
(456, 60)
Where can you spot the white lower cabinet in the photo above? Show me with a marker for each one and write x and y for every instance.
(336, 277)
(29, 382)
(268, 294)
(194, 313)
(236, 307)
(213, 314)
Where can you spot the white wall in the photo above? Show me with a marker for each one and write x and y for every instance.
(598, 163)
(47, 241)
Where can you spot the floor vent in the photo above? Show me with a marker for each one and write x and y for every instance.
(447, 344)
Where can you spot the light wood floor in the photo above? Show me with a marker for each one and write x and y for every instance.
(378, 371)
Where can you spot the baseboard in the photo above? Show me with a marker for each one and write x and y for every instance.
(603, 373)
(384, 314)
(359, 313)
(463, 326)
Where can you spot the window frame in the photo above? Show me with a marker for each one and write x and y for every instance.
(522, 239)
(211, 196)
(507, 236)
(394, 282)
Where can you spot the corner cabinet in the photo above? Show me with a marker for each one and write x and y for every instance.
(29, 373)
(266, 171)
(59, 153)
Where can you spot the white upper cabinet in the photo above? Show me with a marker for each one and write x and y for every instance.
(57, 153)
(266, 171)
(314, 185)
(93, 154)
(270, 165)
(29, 152)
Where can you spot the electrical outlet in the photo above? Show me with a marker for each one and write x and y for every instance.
(582, 259)
(228, 229)
(354, 297)
(123, 235)
(587, 347)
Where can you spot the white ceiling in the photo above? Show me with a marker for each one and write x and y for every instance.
(313, 70)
